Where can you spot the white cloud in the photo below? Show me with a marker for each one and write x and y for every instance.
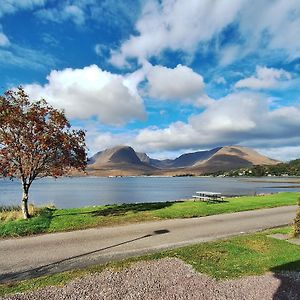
(12, 6)
(17, 55)
(274, 25)
(265, 78)
(236, 118)
(178, 83)
(180, 25)
(239, 118)
(4, 41)
(282, 153)
(100, 49)
(26, 57)
(176, 25)
(103, 140)
(75, 13)
(90, 91)
(229, 54)
(220, 80)
(61, 14)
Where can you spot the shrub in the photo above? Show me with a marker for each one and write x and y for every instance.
(296, 232)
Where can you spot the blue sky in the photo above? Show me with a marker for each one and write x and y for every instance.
(165, 77)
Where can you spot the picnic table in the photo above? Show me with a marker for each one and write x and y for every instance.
(208, 196)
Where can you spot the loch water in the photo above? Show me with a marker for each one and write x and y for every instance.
(84, 191)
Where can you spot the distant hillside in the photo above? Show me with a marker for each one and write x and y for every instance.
(190, 159)
(229, 158)
(123, 160)
(291, 168)
(184, 160)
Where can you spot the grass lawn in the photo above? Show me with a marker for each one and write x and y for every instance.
(54, 220)
(234, 257)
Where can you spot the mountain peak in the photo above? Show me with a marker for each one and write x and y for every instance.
(248, 154)
(115, 155)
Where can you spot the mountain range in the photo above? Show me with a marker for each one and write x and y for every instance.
(125, 161)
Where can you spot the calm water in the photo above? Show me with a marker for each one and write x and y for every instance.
(77, 192)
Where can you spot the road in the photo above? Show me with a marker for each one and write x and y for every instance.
(31, 257)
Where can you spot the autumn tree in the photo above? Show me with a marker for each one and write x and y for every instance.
(36, 141)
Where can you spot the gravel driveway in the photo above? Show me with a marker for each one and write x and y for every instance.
(170, 278)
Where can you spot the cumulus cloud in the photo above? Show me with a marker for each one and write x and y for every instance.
(265, 78)
(234, 119)
(178, 83)
(90, 91)
(244, 118)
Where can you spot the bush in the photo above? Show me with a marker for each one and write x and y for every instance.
(296, 232)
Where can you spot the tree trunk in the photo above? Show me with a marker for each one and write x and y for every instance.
(25, 202)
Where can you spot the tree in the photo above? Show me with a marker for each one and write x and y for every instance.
(36, 141)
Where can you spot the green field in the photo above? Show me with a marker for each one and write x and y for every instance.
(54, 220)
(231, 258)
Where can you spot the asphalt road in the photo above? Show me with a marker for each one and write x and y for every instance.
(52, 253)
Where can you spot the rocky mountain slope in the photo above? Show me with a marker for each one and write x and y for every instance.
(232, 157)
(121, 160)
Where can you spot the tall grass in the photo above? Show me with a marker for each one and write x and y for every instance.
(14, 212)
(4, 208)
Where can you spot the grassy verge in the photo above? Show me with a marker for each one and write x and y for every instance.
(231, 258)
(54, 220)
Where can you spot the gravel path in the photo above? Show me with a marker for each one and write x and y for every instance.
(166, 279)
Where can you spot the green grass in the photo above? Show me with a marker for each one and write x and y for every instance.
(240, 256)
(54, 220)
(244, 255)
(37, 224)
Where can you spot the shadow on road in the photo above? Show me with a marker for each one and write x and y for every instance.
(289, 276)
(67, 263)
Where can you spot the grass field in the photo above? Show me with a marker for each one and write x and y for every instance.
(54, 220)
(234, 257)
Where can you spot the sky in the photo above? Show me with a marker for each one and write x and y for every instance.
(165, 77)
